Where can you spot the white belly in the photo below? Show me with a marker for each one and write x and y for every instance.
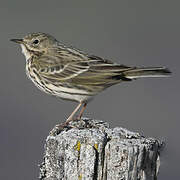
(62, 92)
(73, 97)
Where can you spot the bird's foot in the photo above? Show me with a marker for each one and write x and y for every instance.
(74, 123)
(59, 128)
(78, 122)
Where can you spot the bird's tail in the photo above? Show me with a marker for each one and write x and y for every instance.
(147, 72)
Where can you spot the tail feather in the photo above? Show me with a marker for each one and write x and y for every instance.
(147, 72)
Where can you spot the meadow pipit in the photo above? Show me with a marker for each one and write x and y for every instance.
(71, 74)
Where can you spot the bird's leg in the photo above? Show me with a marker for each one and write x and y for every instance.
(61, 126)
(70, 118)
(82, 110)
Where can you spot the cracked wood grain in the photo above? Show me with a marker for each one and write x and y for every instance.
(90, 150)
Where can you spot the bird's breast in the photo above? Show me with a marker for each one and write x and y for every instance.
(34, 76)
(68, 93)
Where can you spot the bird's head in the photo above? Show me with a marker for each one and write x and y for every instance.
(36, 44)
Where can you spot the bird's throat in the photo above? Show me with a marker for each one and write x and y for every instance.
(26, 53)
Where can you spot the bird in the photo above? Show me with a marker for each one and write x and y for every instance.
(71, 74)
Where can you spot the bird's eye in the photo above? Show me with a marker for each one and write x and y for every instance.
(36, 41)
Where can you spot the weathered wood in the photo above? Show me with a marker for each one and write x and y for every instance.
(90, 150)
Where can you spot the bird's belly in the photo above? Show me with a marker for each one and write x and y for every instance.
(69, 93)
(58, 91)
(73, 97)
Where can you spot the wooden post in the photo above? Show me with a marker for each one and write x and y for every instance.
(90, 150)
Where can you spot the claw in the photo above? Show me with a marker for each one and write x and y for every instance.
(58, 128)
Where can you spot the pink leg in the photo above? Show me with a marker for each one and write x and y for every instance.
(82, 110)
(70, 118)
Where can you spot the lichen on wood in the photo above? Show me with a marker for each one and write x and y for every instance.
(90, 150)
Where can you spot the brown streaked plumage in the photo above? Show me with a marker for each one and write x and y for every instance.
(71, 74)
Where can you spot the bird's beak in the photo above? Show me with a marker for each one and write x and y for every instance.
(19, 41)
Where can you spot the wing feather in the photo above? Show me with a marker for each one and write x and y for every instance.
(94, 74)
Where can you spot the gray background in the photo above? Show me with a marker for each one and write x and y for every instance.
(135, 32)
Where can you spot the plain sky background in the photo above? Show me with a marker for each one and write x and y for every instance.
(130, 32)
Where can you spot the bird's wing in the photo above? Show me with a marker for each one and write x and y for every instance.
(61, 70)
(94, 73)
